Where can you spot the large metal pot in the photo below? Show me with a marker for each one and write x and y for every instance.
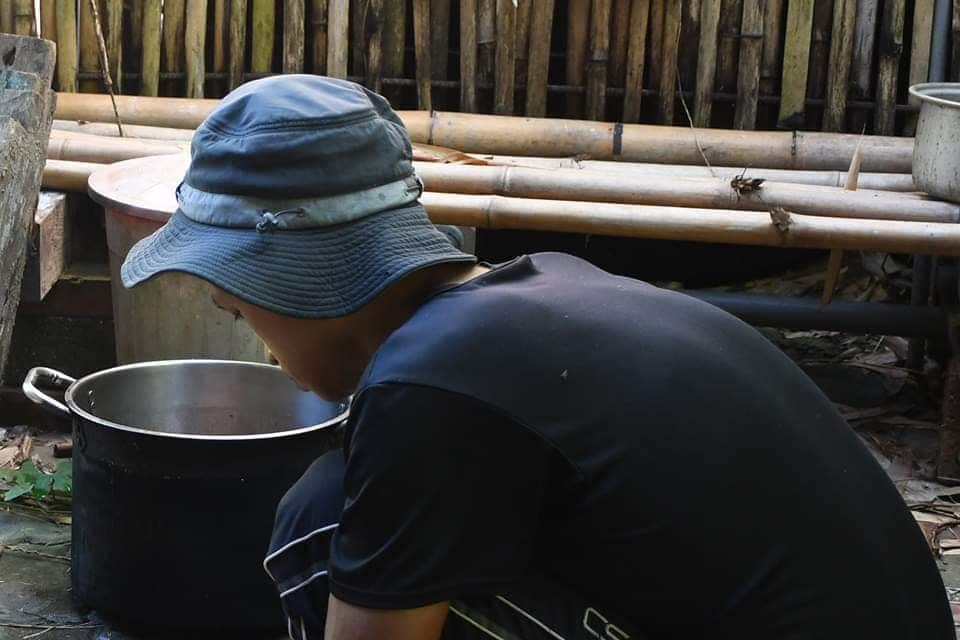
(936, 148)
(178, 467)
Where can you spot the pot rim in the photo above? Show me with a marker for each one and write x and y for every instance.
(77, 411)
(924, 91)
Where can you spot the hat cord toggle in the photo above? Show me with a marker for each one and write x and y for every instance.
(270, 220)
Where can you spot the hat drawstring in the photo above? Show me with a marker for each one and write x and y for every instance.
(270, 220)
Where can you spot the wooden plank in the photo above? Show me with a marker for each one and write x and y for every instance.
(47, 249)
(772, 47)
(439, 38)
(67, 52)
(890, 49)
(338, 36)
(578, 20)
(394, 37)
(619, 39)
(195, 47)
(262, 35)
(294, 20)
(636, 58)
(748, 77)
(237, 43)
(796, 58)
(505, 60)
(668, 75)
(861, 69)
(707, 62)
(421, 41)
(541, 27)
(731, 14)
(597, 58)
(841, 56)
(174, 16)
(468, 56)
(112, 16)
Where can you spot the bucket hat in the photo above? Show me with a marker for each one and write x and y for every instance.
(300, 198)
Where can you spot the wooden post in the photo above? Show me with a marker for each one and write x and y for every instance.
(636, 57)
(262, 31)
(174, 14)
(706, 62)
(796, 58)
(578, 19)
(748, 78)
(891, 47)
(293, 43)
(505, 58)
(338, 36)
(67, 53)
(150, 61)
(237, 43)
(541, 23)
(861, 69)
(468, 56)
(439, 38)
(195, 38)
(26, 112)
(421, 39)
(772, 42)
(731, 14)
(597, 57)
(838, 74)
(668, 74)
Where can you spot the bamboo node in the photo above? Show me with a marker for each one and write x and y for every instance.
(781, 219)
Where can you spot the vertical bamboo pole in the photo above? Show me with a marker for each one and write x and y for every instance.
(421, 40)
(24, 18)
(619, 37)
(439, 39)
(748, 77)
(338, 36)
(358, 39)
(796, 57)
(861, 69)
(920, 51)
(655, 68)
(772, 42)
(706, 62)
(294, 20)
(541, 27)
(374, 52)
(668, 75)
(597, 58)
(578, 20)
(237, 43)
(174, 12)
(48, 20)
(150, 59)
(195, 36)
(523, 41)
(891, 47)
(113, 35)
(636, 57)
(221, 27)
(838, 75)
(819, 49)
(955, 64)
(394, 36)
(318, 21)
(6, 17)
(262, 33)
(486, 40)
(687, 55)
(67, 54)
(731, 14)
(132, 43)
(88, 60)
(505, 61)
(468, 56)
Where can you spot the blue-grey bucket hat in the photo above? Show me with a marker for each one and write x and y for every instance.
(300, 198)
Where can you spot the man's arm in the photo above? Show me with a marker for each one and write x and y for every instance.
(349, 622)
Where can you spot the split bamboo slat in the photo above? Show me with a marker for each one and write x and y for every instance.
(421, 38)
(48, 20)
(838, 75)
(150, 57)
(468, 59)
(374, 47)
(24, 18)
(578, 19)
(541, 27)
(505, 60)
(112, 16)
(174, 38)
(486, 40)
(338, 35)
(687, 56)
(294, 12)
(861, 72)
(598, 55)
(218, 40)
(264, 24)
(636, 57)
(88, 62)
(236, 43)
(891, 46)
(729, 46)
(523, 42)
(655, 42)
(195, 34)
(772, 44)
(668, 73)
(318, 22)
(707, 62)
(392, 41)
(796, 58)
(6, 18)
(819, 50)
(748, 78)
(955, 65)
(439, 38)
(358, 15)
(67, 52)
(920, 42)
(619, 39)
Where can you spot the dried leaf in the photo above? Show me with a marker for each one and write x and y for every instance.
(433, 153)
(781, 219)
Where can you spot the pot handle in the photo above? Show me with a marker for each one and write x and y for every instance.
(50, 378)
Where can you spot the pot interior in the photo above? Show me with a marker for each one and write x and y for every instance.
(200, 398)
(944, 93)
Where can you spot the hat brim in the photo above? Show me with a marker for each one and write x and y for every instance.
(316, 273)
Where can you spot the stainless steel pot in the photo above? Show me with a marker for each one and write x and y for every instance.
(178, 468)
(936, 148)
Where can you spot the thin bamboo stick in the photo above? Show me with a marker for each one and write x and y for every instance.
(772, 43)
(655, 42)
(486, 40)
(113, 35)
(318, 20)
(834, 266)
(861, 69)
(668, 74)
(636, 55)
(748, 78)
(394, 35)
(174, 15)
(439, 38)
(48, 20)
(293, 40)
(523, 41)
(619, 38)
(150, 59)
(731, 15)
(421, 39)
(262, 31)
(67, 54)
(468, 57)
(506, 62)
(578, 21)
(819, 48)
(338, 36)
(129, 130)
(221, 27)
(706, 62)
(374, 49)
(891, 46)
(796, 58)
(597, 58)
(699, 225)
(88, 55)
(194, 43)
(838, 76)
(24, 18)
(541, 26)
(237, 43)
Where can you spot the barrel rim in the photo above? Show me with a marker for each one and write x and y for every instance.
(79, 412)
(927, 92)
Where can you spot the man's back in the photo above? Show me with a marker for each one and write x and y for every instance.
(696, 480)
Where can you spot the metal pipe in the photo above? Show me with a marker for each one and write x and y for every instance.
(840, 315)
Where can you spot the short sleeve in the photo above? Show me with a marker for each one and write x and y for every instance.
(443, 499)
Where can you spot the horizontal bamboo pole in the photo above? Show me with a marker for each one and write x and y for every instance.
(65, 175)
(707, 193)
(698, 225)
(88, 148)
(129, 131)
(179, 113)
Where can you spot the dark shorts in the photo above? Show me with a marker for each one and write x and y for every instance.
(533, 609)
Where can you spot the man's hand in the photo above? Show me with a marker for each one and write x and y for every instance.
(349, 622)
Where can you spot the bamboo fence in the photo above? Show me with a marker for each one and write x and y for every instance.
(841, 65)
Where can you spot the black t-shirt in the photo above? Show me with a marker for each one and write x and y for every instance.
(643, 448)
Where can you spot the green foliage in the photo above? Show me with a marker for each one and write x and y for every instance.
(30, 481)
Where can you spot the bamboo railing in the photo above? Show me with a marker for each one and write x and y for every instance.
(840, 65)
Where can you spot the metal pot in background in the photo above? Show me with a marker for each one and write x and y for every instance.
(177, 470)
(936, 148)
